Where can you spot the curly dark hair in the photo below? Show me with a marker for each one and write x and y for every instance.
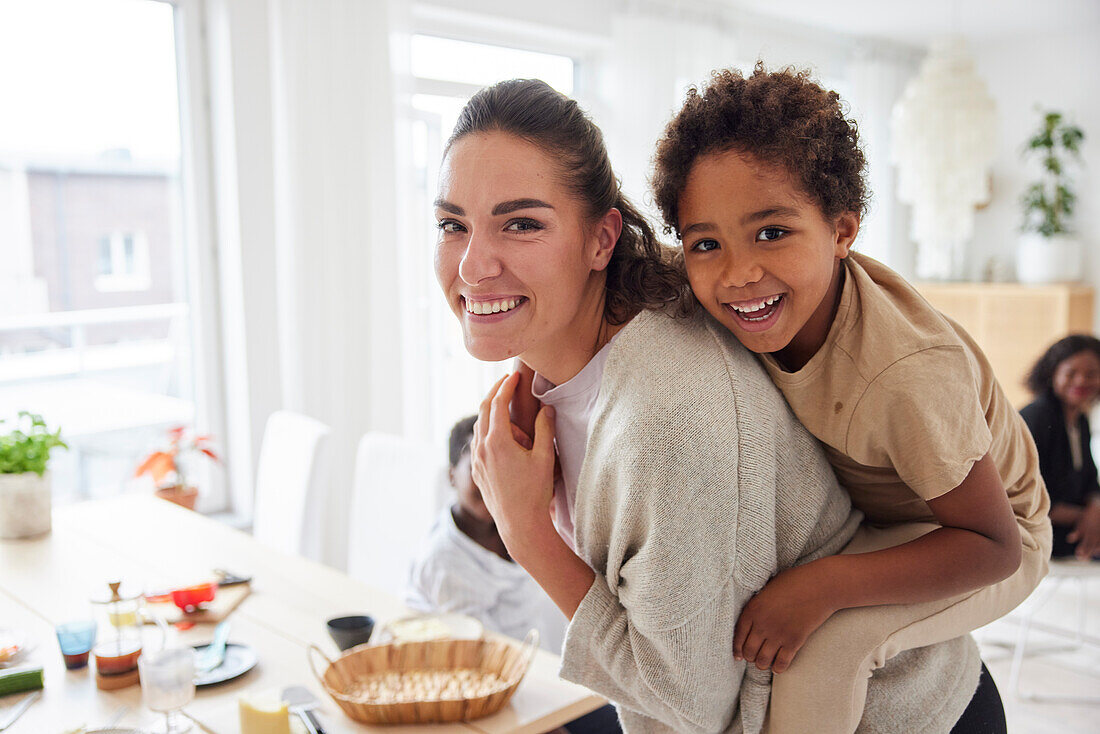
(780, 116)
(641, 273)
(458, 444)
(1040, 380)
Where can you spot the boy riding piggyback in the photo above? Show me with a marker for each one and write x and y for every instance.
(761, 178)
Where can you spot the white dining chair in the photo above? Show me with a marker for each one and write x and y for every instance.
(290, 496)
(1062, 572)
(396, 495)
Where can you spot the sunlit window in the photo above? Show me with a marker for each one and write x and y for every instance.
(95, 324)
(481, 64)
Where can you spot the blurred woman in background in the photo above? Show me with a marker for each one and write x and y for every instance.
(1066, 383)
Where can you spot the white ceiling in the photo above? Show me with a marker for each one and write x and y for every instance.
(917, 22)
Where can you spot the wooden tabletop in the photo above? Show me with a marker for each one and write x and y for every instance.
(151, 544)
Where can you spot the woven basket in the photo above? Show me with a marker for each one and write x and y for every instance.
(506, 659)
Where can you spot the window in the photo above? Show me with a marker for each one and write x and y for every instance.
(97, 332)
(123, 263)
(446, 73)
(457, 62)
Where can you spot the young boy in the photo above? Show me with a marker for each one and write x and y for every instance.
(762, 180)
(464, 568)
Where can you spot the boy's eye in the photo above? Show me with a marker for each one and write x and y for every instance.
(449, 226)
(523, 225)
(770, 234)
(704, 246)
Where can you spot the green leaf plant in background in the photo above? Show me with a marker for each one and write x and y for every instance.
(26, 448)
(1048, 203)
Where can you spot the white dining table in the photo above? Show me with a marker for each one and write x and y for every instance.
(149, 543)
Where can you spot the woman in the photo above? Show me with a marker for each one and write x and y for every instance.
(1066, 382)
(686, 483)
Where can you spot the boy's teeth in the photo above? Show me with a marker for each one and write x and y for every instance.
(487, 307)
(756, 305)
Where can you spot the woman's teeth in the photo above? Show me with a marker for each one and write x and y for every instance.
(487, 307)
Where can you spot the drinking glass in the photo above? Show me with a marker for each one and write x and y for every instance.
(76, 640)
(168, 684)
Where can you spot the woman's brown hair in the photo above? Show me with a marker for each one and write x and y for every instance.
(641, 273)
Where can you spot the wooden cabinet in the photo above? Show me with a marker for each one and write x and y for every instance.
(1013, 323)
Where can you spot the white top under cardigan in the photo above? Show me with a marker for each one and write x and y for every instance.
(573, 401)
(696, 487)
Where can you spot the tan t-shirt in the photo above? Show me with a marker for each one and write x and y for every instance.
(905, 402)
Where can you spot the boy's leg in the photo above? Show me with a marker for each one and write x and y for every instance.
(825, 688)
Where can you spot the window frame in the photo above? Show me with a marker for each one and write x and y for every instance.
(198, 225)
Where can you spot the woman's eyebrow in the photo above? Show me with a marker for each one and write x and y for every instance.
(507, 207)
(449, 207)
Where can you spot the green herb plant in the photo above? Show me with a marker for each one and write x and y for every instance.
(27, 447)
(1048, 203)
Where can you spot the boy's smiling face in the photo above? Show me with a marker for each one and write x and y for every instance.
(761, 256)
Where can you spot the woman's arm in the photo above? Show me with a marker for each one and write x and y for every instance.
(656, 646)
(1063, 513)
(1086, 531)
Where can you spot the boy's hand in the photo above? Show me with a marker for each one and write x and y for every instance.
(778, 620)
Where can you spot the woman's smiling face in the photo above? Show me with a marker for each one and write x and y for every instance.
(1076, 380)
(760, 255)
(519, 262)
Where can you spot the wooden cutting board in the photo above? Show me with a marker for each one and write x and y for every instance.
(225, 601)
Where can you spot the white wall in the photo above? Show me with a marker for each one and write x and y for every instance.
(302, 148)
(1056, 71)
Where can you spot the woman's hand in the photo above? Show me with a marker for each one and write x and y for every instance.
(1086, 533)
(516, 477)
(778, 620)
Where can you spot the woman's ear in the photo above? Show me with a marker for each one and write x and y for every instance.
(605, 235)
(846, 229)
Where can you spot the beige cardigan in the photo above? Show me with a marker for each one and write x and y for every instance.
(698, 484)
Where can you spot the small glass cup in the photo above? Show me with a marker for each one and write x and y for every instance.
(76, 640)
(168, 684)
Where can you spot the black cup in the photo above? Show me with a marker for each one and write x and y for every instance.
(347, 632)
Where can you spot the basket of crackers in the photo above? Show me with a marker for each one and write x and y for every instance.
(424, 682)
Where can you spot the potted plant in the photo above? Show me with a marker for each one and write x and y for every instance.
(1048, 249)
(166, 466)
(25, 493)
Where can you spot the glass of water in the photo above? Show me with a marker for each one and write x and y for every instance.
(168, 684)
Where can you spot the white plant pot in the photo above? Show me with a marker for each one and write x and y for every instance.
(24, 505)
(1056, 259)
